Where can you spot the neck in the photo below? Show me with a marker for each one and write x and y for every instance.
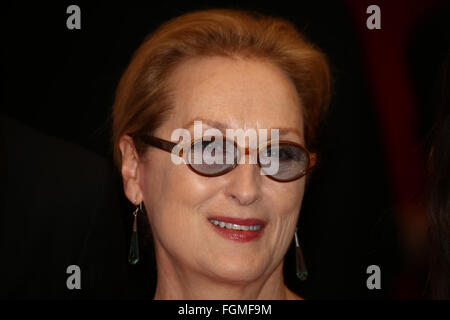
(181, 283)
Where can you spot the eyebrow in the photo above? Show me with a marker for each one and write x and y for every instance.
(222, 127)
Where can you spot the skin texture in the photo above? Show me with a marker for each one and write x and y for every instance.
(193, 261)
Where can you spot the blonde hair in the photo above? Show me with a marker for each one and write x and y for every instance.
(142, 100)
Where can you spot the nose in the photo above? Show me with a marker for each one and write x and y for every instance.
(244, 185)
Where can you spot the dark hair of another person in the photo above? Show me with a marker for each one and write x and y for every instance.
(439, 196)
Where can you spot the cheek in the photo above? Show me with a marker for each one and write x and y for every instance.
(286, 198)
(173, 195)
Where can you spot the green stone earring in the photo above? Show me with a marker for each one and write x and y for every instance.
(133, 255)
(302, 273)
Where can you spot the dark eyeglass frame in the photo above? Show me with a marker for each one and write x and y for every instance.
(169, 145)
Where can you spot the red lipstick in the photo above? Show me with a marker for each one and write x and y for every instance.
(255, 226)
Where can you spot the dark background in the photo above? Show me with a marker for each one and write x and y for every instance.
(366, 201)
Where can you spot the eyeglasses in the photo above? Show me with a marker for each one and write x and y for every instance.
(294, 160)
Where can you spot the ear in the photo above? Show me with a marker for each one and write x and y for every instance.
(129, 170)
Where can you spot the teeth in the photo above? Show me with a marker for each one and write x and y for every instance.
(234, 226)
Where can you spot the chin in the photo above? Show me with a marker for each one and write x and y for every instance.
(238, 270)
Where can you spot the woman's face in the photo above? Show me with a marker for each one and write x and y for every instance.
(240, 94)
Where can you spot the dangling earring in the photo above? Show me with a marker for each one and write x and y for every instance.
(302, 273)
(133, 255)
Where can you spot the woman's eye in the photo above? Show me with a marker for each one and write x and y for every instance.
(280, 153)
(209, 144)
(284, 155)
(214, 146)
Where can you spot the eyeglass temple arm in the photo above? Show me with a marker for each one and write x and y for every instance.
(160, 143)
(312, 160)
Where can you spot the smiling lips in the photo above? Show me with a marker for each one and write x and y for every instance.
(242, 230)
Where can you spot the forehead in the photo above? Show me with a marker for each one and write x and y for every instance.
(241, 93)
